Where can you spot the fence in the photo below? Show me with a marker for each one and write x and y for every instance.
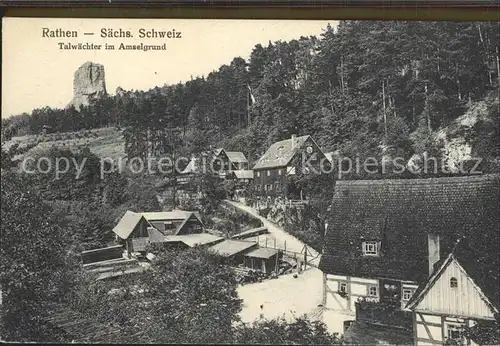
(102, 254)
(383, 315)
(304, 256)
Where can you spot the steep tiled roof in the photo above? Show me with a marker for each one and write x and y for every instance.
(280, 153)
(400, 214)
(236, 157)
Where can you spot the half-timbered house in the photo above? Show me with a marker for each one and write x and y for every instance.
(385, 237)
(462, 292)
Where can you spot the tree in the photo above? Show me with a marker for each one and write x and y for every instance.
(37, 262)
(187, 296)
(281, 332)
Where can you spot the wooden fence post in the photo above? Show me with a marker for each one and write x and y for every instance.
(305, 257)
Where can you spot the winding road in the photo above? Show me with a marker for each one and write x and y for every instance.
(286, 296)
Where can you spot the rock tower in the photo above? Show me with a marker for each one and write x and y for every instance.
(88, 84)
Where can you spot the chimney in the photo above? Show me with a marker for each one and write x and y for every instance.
(434, 251)
(293, 141)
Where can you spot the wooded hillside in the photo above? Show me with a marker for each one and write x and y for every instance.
(361, 88)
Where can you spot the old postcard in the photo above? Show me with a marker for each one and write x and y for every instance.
(250, 181)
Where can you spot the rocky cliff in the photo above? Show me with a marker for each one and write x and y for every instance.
(88, 84)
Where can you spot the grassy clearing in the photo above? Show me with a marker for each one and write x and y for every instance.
(104, 142)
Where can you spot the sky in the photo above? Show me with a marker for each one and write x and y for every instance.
(37, 73)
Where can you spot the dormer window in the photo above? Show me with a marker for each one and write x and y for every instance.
(370, 248)
(453, 283)
(168, 225)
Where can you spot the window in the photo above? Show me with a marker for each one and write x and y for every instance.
(268, 173)
(453, 283)
(270, 187)
(407, 293)
(373, 291)
(277, 186)
(454, 331)
(168, 225)
(370, 248)
(343, 287)
(280, 172)
(258, 174)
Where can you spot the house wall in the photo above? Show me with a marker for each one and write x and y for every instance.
(427, 329)
(192, 226)
(141, 230)
(356, 288)
(464, 300)
(274, 177)
(160, 225)
(432, 329)
(265, 265)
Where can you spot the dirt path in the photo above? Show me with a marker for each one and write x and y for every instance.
(284, 296)
(277, 237)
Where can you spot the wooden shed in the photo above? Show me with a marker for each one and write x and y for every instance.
(262, 259)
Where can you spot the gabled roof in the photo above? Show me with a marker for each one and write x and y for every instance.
(193, 165)
(175, 214)
(440, 269)
(332, 155)
(127, 224)
(400, 214)
(280, 153)
(230, 247)
(236, 157)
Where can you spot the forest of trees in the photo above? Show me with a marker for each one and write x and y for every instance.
(355, 88)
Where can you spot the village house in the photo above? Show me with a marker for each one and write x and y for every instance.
(215, 161)
(462, 292)
(385, 239)
(282, 160)
(134, 229)
(175, 222)
(237, 160)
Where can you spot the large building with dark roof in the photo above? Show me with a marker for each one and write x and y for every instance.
(385, 238)
(280, 161)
